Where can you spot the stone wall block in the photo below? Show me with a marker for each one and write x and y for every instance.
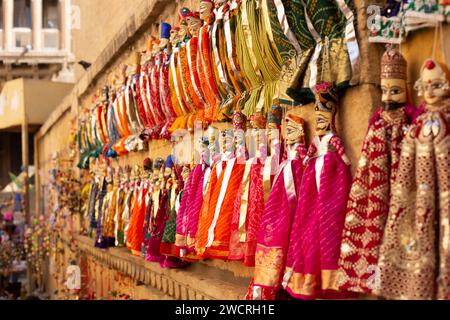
(153, 279)
(159, 282)
(177, 294)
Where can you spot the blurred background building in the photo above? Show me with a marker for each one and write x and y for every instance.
(42, 42)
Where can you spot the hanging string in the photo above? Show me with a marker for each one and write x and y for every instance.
(436, 30)
(402, 26)
(443, 43)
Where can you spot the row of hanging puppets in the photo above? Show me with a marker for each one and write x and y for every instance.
(294, 213)
(398, 18)
(239, 55)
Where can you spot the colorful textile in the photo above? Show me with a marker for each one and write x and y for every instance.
(276, 221)
(414, 256)
(368, 204)
(314, 249)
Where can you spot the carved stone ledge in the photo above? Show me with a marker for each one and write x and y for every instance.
(197, 282)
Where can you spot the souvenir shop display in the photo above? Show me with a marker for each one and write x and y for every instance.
(239, 78)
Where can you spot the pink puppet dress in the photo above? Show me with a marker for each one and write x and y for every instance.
(314, 248)
(191, 203)
(275, 226)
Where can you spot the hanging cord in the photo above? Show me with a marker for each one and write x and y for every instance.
(402, 25)
(435, 41)
(442, 43)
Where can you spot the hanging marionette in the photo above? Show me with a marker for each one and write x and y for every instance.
(191, 101)
(175, 186)
(249, 203)
(176, 93)
(133, 193)
(158, 213)
(163, 59)
(191, 202)
(120, 111)
(111, 124)
(135, 235)
(314, 248)
(370, 195)
(143, 88)
(276, 221)
(414, 258)
(133, 143)
(194, 23)
(204, 61)
(148, 168)
(106, 197)
(125, 194)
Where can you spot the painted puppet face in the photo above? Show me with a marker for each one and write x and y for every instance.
(323, 122)
(227, 141)
(325, 110)
(184, 29)
(433, 84)
(394, 93)
(206, 8)
(155, 49)
(168, 172)
(185, 173)
(212, 140)
(163, 43)
(194, 25)
(295, 132)
(239, 138)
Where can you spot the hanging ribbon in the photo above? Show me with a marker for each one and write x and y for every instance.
(352, 42)
(317, 50)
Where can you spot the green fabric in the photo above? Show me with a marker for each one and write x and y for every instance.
(334, 62)
(295, 14)
(170, 229)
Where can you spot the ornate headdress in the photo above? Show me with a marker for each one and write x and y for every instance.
(165, 30)
(294, 118)
(169, 162)
(193, 14)
(442, 76)
(148, 164)
(204, 141)
(258, 121)
(326, 93)
(239, 121)
(183, 13)
(393, 65)
(159, 162)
